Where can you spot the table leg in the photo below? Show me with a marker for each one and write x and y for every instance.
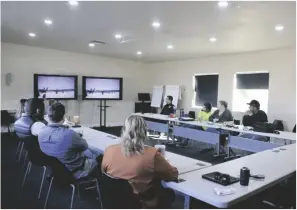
(187, 202)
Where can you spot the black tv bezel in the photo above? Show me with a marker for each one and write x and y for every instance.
(101, 99)
(35, 86)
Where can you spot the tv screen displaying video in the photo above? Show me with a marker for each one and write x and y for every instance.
(61, 87)
(102, 88)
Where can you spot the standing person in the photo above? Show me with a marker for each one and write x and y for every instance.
(169, 108)
(66, 145)
(143, 166)
(222, 114)
(21, 109)
(254, 114)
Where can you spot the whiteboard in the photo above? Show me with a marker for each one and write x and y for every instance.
(174, 91)
(157, 96)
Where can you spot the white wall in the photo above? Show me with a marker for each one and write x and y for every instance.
(281, 65)
(23, 61)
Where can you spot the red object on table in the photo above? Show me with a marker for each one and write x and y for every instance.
(171, 115)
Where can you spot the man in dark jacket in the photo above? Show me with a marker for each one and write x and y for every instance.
(169, 108)
(254, 114)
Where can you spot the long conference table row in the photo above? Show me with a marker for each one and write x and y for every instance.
(161, 123)
(191, 170)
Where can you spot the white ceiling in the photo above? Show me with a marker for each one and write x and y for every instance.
(186, 25)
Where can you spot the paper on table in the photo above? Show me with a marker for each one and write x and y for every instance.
(224, 191)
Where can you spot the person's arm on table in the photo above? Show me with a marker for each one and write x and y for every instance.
(163, 169)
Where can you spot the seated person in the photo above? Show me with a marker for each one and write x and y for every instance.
(143, 166)
(32, 120)
(222, 114)
(251, 117)
(66, 145)
(203, 115)
(254, 114)
(169, 108)
(21, 109)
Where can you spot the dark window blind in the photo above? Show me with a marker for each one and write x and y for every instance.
(252, 81)
(206, 89)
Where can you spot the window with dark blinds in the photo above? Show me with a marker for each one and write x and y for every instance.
(252, 81)
(250, 86)
(206, 89)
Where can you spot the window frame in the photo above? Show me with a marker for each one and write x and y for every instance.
(235, 86)
(194, 92)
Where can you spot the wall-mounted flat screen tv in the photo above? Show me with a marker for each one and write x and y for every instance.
(102, 88)
(60, 87)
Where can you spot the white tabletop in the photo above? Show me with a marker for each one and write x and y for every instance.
(100, 141)
(281, 164)
(283, 134)
(175, 119)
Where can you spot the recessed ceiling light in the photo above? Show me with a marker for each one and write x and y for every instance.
(139, 53)
(118, 36)
(73, 3)
(32, 34)
(48, 22)
(91, 45)
(170, 47)
(279, 27)
(223, 4)
(213, 39)
(156, 24)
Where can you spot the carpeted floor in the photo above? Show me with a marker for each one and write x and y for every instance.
(13, 196)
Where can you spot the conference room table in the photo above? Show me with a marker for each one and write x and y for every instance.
(99, 141)
(232, 141)
(275, 164)
(282, 164)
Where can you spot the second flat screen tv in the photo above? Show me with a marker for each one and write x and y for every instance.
(102, 88)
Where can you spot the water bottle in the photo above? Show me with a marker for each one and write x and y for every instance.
(182, 112)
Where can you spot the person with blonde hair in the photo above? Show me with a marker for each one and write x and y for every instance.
(143, 166)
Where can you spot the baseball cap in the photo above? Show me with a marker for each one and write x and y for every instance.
(254, 103)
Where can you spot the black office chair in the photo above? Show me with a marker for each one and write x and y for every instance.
(117, 194)
(36, 157)
(278, 125)
(64, 178)
(192, 114)
(294, 129)
(6, 120)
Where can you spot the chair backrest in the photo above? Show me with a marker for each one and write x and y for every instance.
(192, 114)
(35, 155)
(5, 117)
(278, 125)
(294, 129)
(117, 194)
(61, 174)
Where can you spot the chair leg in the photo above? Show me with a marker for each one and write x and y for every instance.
(48, 192)
(27, 172)
(99, 194)
(41, 185)
(26, 155)
(78, 194)
(17, 152)
(72, 196)
(20, 154)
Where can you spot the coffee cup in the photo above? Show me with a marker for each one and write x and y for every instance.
(161, 149)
